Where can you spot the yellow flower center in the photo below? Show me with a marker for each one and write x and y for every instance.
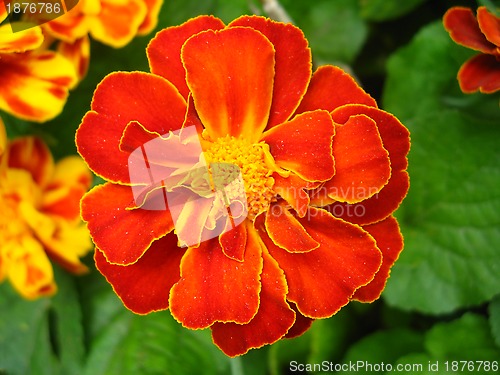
(253, 164)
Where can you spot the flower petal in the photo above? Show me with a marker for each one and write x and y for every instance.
(3, 137)
(78, 53)
(464, 29)
(164, 50)
(272, 321)
(21, 41)
(35, 85)
(230, 74)
(32, 155)
(320, 282)
(118, 21)
(362, 165)
(304, 145)
(29, 269)
(151, 19)
(145, 285)
(287, 232)
(481, 72)
(331, 87)
(293, 64)
(301, 325)
(293, 189)
(123, 235)
(214, 288)
(396, 140)
(489, 25)
(233, 242)
(390, 242)
(119, 99)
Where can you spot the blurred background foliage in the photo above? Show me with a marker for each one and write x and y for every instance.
(442, 301)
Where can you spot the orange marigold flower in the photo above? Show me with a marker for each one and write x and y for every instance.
(112, 22)
(245, 193)
(481, 72)
(40, 216)
(34, 84)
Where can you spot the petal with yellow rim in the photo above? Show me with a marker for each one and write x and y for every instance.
(390, 242)
(489, 25)
(78, 53)
(294, 189)
(322, 281)
(215, 288)
(293, 64)
(122, 234)
(119, 99)
(151, 19)
(464, 29)
(304, 145)
(145, 285)
(164, 50)
(481, 72)
(32, 155)
(301, 325)
(230, 74)
(331, 87)
(21, 41)
(272, 321)
(35, 85)
(118, 22)
(362, 165)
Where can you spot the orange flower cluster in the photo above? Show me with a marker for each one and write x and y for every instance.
(244, 192)
(40, 215)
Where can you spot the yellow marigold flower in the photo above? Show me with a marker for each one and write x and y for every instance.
(40, 216)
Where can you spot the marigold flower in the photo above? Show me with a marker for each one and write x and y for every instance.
(112, 22)
(40, 216)
(34, 84)
(481, 72)
(257, 252)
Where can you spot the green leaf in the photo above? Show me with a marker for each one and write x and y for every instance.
(335, 30)
(153, 344)
(21, 325)
(465, 339)
(384, 346)
(494, 312)
(450, 217)
(383, 10)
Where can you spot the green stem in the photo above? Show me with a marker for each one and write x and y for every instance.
(236, 366)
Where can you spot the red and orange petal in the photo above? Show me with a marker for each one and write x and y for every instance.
(303, 145)
(464, 29)
(362, 165)
(390, 242)
(3, 137)
(78, 53)
(145, 285)
(21, 41)
(235, 98)
(287, 232)
(293, 67)
(35, 85)
(100, 133)
(118, 21)
(273, 320)
(151, 19)
(32, 155)
(294, 190)
(123, 235)
(164, 50)
(481, 72)
(396, 140)
(489, 25)
(215, 288)
(330, 88)
(347, 249)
